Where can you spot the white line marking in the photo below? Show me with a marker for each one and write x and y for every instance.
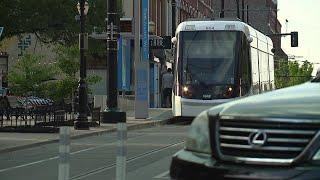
(56, 157)
(164, 175)
(101, 169)
(49, 159)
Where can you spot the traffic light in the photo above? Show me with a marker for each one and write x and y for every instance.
(294, 39)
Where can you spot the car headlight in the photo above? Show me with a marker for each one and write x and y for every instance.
(316, 157)
(198, 135)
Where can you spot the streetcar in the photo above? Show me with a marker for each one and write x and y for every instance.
(218, 61)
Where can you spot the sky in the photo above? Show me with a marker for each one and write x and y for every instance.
(303, 16)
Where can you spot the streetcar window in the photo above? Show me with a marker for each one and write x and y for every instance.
(209, 57)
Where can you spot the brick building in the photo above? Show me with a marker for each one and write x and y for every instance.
(193, 9)
(260, 14)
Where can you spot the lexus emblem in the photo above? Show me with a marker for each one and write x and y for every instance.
(258, 138)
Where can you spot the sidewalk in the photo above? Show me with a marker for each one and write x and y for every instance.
(17, 141)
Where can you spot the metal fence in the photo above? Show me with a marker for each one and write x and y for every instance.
(41, 118)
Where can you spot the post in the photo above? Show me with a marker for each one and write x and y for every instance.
(238, 9)
(82, 120)
(112, 114)
(222, 9)
(173, 2)
(243, 11)
(121, 149)
(64, 153)
(247, 14)
(142, 62)
(112, 56)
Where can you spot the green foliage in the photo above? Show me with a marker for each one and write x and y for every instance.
(68, 63)
(68, 59)
(29, 75)
(61, 89)
(292, 73)
(51, 20)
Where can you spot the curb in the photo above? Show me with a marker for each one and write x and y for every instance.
(97, 133)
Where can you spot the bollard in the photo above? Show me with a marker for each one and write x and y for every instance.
(64, 153)
(121, 147)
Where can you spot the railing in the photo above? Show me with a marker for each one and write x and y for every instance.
(42, 117)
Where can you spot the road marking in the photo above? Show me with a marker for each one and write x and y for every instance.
(164, 175)
(28, 164)
(56, 157)
(22, 139)
(143, 155)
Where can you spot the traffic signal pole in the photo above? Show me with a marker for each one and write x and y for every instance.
(294, 37)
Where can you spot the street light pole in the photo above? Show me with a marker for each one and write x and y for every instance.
(81, 122)
(112, 56)
(112, 114)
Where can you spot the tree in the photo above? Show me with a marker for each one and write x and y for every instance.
(290, 73)
(29, 75)
(50, 20)
(69, 65)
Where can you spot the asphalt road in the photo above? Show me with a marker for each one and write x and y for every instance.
(94, 158)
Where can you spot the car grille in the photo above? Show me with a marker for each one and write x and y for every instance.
(284, 140)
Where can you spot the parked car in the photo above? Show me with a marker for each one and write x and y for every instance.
(274, 135)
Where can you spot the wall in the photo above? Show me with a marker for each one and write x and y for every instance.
(16, 47)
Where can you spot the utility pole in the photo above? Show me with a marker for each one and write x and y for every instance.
(222, 9)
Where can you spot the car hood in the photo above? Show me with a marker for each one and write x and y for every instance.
(302, 101)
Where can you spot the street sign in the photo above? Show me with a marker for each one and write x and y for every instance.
(161, 43)
(1, 30)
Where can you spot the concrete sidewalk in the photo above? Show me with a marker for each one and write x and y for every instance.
(16, 141)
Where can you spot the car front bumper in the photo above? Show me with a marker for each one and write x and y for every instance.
(191, 165)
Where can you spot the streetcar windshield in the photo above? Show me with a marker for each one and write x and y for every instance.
(208, 59)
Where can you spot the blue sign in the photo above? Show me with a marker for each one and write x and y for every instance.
(120, 64)
(145, 30)
(142, 88)
(1, 30)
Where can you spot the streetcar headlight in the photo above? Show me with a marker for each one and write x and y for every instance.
(185, 89)
(228, 92)
(198, 135)
(316, 157)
